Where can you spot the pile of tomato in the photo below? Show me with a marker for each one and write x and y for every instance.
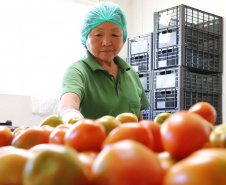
(183, 148)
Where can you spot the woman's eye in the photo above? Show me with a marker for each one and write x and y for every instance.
(98, 35)
(115, 35)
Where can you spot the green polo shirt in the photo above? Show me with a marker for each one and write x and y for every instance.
(99, 93)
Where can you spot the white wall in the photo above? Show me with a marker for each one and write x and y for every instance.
(18, 109)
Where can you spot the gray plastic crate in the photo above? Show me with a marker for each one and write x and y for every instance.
(183, 99)
(182, 15)
(146, 114)
(140, 44)
(140, 52)
(140, 62)
(189, 37)
(183, 77)
(145, 79)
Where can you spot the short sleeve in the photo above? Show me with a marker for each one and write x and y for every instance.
(73, 81)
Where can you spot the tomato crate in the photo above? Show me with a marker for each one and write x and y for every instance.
(188, 37)
(183, 99)
(140, 52)
(184, 77)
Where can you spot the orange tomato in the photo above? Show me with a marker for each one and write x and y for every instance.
(56, 165)
(155, 130)
(31, 137)
(86, 134)
(87, 158)
(206, 110)
(166, 161)
(6, 136)
(205, 166)
(126, 162)
(19, 130)
(183, 133)
(12, 163)
(127, 117)
(131, 131)
(57, 135)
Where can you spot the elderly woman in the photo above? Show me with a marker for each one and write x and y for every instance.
(102, 83)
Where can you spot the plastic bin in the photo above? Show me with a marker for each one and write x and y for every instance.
(183, 99)
(146, 114)
(182, 15)
(140, 62)
(145, 80)
(189, 37)
(140, 52)
(183, 77)
(140, 44)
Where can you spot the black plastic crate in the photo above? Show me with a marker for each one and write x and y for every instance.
(204, 61)
(183, 99)
(140, 44)
(183, 77)
(188, 37)
(182, 15)
(193, 38)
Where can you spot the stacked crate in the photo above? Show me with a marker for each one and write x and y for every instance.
(139, 56)
(187, 60)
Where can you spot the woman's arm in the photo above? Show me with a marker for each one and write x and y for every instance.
(140, 117)
(69, 107)
(69, 101)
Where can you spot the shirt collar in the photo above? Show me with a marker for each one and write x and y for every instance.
(89, 60)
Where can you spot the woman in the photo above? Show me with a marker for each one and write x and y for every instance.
(102, 83)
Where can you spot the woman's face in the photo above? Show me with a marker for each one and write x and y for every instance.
(105, 41)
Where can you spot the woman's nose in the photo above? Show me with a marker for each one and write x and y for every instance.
(106, 41)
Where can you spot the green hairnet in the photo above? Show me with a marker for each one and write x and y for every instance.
(102, 12)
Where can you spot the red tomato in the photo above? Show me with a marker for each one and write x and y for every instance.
(206, 166)
(206, 110)
(132, 131)
(31, 137)
(155, 130)
(127, 162)
(6, 136)
(127, 117)
(183, 133)
(86, 134)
